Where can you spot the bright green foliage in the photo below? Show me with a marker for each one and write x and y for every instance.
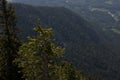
(9, 43)
(38, 56)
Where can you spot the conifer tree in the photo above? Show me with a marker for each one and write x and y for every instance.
(9, 43)
(38, 57)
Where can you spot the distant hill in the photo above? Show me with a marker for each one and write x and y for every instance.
(105, 13)
(84, 46)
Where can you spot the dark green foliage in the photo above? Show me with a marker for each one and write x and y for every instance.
(8, 43)
(84, 47)
(39, 59)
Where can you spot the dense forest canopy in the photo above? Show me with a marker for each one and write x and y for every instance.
(73, 40)
(35, 59)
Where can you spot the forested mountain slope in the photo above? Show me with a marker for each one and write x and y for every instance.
(105, 13)
(84, 47)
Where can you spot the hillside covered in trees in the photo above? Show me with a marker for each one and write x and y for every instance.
(104, 14)
(84, 47)
(38, 58)
(63, 47)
